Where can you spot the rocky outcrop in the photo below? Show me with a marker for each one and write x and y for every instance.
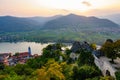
(78, 46)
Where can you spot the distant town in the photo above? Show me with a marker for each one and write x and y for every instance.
(91, 54)
(10, 59)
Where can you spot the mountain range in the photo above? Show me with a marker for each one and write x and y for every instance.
(68, 27)
(81, 22)
(18, 24)
(113, 17)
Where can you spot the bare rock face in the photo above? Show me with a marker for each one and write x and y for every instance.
(78, 46)
(86, 46)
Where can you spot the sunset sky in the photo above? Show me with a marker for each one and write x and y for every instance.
(27, 8)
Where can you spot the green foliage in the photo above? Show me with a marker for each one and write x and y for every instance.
(67, 51)
(107, 78)
(51, 70)
(64, 29)
(67, 35)
(117, 47)
(85, 58)
(85, 72)
(67, 70)
(36, 63)
(95, 78)
(111, 49)
(75, 73)
(23, 69)
(16, 54)
(2, 66)
(94, 47)
(117, 74)
(2, 77)
(52, 54)
(70, 61)
(108, 49)
(13, 76)
(8, 69)
(88, 72)
(53, 51)
(49, 67)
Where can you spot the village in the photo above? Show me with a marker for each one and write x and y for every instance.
(101, 61)
(10, 60)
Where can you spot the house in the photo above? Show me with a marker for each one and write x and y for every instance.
(19, 58)
(4, 58)
(35, 55)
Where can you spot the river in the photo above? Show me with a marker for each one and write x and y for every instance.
(36, 48)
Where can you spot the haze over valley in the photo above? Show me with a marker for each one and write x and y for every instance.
(66, 28)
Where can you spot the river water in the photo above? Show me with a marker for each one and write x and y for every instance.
(36, 48)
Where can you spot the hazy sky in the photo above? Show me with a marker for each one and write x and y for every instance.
(54, 7)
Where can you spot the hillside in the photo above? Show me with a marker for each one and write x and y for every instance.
(113, 17)
(18, 24)
(81, 23)
(43, 20)
(58, 28)
(74, 27)
(15, 24)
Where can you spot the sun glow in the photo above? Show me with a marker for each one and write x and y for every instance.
(53, 7)
(63, 4)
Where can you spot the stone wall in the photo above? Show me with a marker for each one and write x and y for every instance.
(104, 65)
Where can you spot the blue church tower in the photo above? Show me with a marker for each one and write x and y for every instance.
(29, 50)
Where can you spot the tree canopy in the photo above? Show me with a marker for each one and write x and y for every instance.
(111, 49)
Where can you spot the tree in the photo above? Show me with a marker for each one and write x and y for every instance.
(109, 50)
(16, 54)
(53, 51)
(13, 76)
(2, 66)
(8, 69)
(51, 71)
(94, 47)
(2, 77)
(84, 72)
(23, 69)
(37, 63)
(117, 47)
(75, 73)
(87, 71)
(67, 51)
(85, 57)
(67, 70)
(117, 74)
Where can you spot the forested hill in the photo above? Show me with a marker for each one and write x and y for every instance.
(15, 24)
(58, 28)
(71, 21)
(18, 24)
(81, 23)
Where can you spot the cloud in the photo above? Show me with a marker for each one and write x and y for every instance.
(65, 10)
(86, 3)
(62, 10)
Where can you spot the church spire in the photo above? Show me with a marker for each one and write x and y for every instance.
(29, 50)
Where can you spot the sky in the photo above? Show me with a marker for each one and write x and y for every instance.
(27, 8)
